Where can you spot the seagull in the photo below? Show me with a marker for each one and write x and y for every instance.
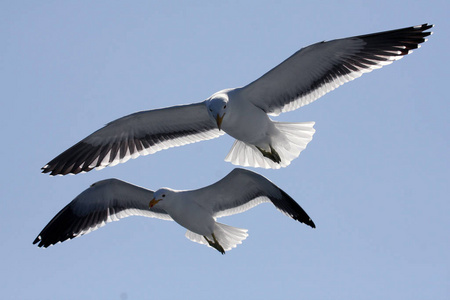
(244, 112)
(196, 210)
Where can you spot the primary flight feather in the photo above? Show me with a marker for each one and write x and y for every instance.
(196, 210)
(243, 112)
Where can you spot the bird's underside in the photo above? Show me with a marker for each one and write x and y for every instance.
(112, 199)
(304, 77)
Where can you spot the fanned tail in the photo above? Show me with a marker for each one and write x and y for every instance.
(293, 139)
(227, 236)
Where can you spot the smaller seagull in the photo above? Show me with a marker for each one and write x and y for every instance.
(244, 112)
(196, 210)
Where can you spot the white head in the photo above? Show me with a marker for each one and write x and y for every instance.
(162, 194)
(217, 106)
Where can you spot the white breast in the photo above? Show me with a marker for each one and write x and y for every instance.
(246, 122)
(190, 215)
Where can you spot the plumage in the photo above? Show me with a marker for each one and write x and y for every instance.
(244, 112)
(196, 210)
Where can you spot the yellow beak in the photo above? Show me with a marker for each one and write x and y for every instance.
(153, 202)
(219, 120)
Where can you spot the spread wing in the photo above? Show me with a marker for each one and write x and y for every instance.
(320, 68)
(103, 202)
(242, 190)
(137, 134)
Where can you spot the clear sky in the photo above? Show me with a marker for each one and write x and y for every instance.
(375, 178)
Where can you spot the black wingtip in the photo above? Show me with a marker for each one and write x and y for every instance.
(63, 226)
(310, 223)
(409, 37)
(423, 28)
(38, 238)
(291, 208)
(74, 160)
(40, 243)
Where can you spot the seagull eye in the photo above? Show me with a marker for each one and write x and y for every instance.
(224, 106)
(210, 109)
(163, 195)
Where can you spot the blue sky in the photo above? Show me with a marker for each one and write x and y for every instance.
(375, 178)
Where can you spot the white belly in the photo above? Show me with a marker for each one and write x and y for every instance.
(193, 217)
(249, 124)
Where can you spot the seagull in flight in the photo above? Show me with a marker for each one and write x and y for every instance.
(196, 210)
(244, 112)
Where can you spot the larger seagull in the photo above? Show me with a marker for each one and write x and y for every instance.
(197, 210)
(244, 112)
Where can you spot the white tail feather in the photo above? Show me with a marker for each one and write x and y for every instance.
(227, 236)
(293, 139)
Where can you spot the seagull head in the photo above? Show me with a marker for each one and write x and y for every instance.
(160, 195)
(217, 107)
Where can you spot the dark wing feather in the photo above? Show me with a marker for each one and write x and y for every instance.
(241, 190)
(137, 134)
(105, 201)
(320, 68)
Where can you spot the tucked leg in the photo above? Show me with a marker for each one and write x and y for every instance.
(272, 155)
(215, 244)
